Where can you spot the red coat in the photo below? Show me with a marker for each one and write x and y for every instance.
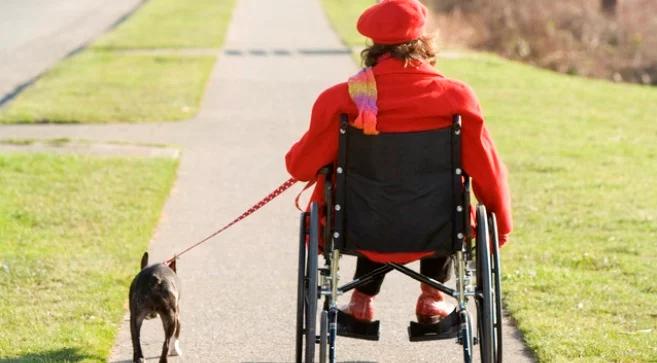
(412, 98)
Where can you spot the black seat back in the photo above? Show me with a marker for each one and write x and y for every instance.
(397, 194)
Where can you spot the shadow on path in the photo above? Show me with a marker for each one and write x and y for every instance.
(349, 361)
(262, 52)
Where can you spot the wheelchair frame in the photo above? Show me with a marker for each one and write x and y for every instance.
(470, 260)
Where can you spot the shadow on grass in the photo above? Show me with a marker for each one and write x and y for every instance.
(54, 355)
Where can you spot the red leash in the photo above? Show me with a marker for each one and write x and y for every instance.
(278, 191)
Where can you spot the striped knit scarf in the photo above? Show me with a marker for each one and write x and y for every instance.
(362, 89)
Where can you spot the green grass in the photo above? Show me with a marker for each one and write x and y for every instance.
(72, 231)
(343, 15)
(583, 162)
(582, 154)
(173, 24)
(108, 83)
(105, 87)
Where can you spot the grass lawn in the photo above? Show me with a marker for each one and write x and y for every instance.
(105, 86)
(582, 155)
(343, 15)
(72, 231)
(173, 24)
(108, 83)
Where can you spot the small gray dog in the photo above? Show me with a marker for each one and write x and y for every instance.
(154, 291)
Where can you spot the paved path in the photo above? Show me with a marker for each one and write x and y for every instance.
(239, 290)
(35, 34)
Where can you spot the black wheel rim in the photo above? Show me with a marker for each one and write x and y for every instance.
(311, 284)
(301, 291)
(485, 298)
(497, 280)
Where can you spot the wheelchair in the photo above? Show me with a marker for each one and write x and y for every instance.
(425, 169)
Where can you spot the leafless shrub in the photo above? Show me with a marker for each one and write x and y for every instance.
(572, 36)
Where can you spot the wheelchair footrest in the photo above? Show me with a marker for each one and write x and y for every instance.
(446, 328)
(350, 327)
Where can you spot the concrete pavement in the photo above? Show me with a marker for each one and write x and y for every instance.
(238, 293)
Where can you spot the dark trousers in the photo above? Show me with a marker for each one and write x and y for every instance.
(438, 268)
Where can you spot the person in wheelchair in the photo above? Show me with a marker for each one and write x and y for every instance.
(399, 91)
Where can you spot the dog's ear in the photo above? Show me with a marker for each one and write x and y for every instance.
(144, 260)
(172, 265)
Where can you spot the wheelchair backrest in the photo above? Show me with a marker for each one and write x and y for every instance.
(399, 192)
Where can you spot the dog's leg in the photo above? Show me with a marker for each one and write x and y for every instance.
(169, 324)
(135, 327)
(175, 350)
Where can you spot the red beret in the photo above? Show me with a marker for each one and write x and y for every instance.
(393, 21)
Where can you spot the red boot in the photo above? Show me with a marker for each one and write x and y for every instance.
(431, 306)
(361, 306)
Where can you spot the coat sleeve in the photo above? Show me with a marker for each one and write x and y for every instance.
(481, 161)
(319, 145)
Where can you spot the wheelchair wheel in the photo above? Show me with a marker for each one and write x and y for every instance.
(311, 281)
(497, 281)
(465, 336)
(301, 289)
(323, 336)
(485, 298)
(307, 294)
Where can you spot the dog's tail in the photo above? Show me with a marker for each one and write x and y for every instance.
(144, 260)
